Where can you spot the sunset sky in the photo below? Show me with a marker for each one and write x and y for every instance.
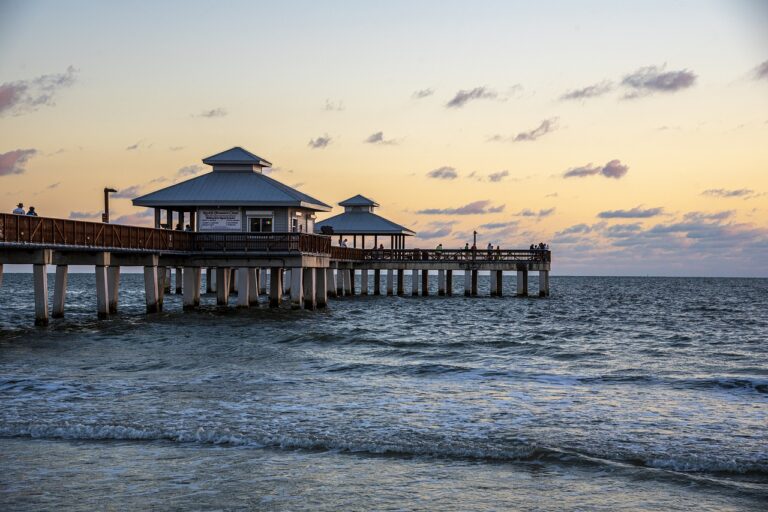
(630, 136)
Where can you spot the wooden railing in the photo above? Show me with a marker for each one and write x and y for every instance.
(23, 229)
(460, 255)
(261, 242)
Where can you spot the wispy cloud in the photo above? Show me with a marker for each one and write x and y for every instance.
(634, 213)
(127, 192)
(500, 225)
(743, 193)
(761, 71)
(83, 215)
(613, 169)
(498, 176)
(138, 145)
(436, 230)
(532, 213)
(214, 112)
(590, 91)
(13, 162)
(546, 126)
(53, 185)
(652, 79)
(422, 93)
(474, 208)
(333, 106)
(465, 96)
(24, 96)
(320, 142)
(378, 138)
(443, 173)
(189, 170)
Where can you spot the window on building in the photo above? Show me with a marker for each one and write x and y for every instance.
(260, 224)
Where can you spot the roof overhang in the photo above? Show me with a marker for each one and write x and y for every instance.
(150, 203)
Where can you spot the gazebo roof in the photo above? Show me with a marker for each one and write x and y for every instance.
(362, 223)
(236, 156)
(358, 200)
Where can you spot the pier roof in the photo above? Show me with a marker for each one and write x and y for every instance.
(358, 219)
(236, 180)
(358, 200)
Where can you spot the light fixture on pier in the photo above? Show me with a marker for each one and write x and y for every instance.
(105, 215)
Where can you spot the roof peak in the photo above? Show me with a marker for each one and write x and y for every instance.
(236, 156)
(358, 200)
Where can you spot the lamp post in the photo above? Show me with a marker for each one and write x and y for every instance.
(105, 215)
(474, 239)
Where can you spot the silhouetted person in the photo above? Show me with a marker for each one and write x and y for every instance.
(19, 210)
(32, 212)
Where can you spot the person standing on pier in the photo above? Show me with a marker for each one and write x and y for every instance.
(490, 250)
(19, 210)
(32, 212)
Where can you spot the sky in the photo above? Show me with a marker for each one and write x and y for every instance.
(630, 136)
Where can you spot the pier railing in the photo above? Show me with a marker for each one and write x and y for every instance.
(460, 255)
(262, 242)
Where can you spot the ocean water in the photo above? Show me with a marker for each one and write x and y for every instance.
(612, 394)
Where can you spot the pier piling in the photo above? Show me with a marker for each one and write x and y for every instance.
(441, 282)
(102, 291)
(543, 283)
(400, 282)
(41, 293)
(179, 280)
(209, 280)
(377, 282)
(297, 288)
(60, 291)
(310, 297)
(321, 287)
(263, 281)
(275, 287)
(474, 283)
(467, 283)
(449, 282)
(113, 287)
(425, 283)
(253, 286)
(151, 288)
(222, 285)
(330, 282)
(191, 287)
(522, 283)
(390, 282)
(243, 287)
(414, 282)
(364, 281)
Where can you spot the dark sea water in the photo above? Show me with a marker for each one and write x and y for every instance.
(612, 394)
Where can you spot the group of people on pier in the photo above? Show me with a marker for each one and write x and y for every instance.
(19, 210)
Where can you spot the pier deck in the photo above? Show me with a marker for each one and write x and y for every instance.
(304, 266)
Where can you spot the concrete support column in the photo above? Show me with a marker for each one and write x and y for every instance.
(499, 278)
(441, 282)
(522, 283)
(467, 283)
(377, 282)
(243, 287)
(297, 289)
(40, 272)
(474, 283)
(349, 282)
(287, 281)
(449, 282)
(310, 299)
(191, 287)
(209, 280)
(263, 281)
(543, 283)
(400, 282)
(330, 282)
(492, 282)
(425, 282)
(179, 280)
(60, 291)
(113, 287)
(102, 291)
(151, 289)
(414, 282)
(1, 274)
(321, 287)
(341, 274)
(390, 282)
(222, 285)
(233, 281)
(275, 287)
(163, 285)
(364, 281)
(253, 286)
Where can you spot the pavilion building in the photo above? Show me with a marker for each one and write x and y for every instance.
(236, 196)
(359, 221)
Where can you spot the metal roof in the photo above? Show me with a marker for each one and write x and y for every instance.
(236, 156)
(362, 223)
(231, 189)
(358, 200)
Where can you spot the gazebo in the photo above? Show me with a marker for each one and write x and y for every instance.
(236, 196)
(358, 220)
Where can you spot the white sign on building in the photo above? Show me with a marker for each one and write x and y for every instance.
(220, 220)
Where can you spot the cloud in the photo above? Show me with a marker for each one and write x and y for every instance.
(651, 79)
(320, 142)
(443, 173)
(531, 213)
(436, 230)
(215, 112)
(498, 176)
(761, 71)
(613, 169)
(331, 106)
(422, 93)
(176, 148)
(378, 138)
(635, 213)
(546, 126)
(745, 193)
(28, 95)
(463, 97)
(13, 162)
(189, 170)
(474, 208)
(500, 225)
(84, 215)
(590, 91)
(139, 145)
(127, 192)
(53, 185)
(703, 216)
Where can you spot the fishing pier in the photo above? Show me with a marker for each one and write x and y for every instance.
(254, 239)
